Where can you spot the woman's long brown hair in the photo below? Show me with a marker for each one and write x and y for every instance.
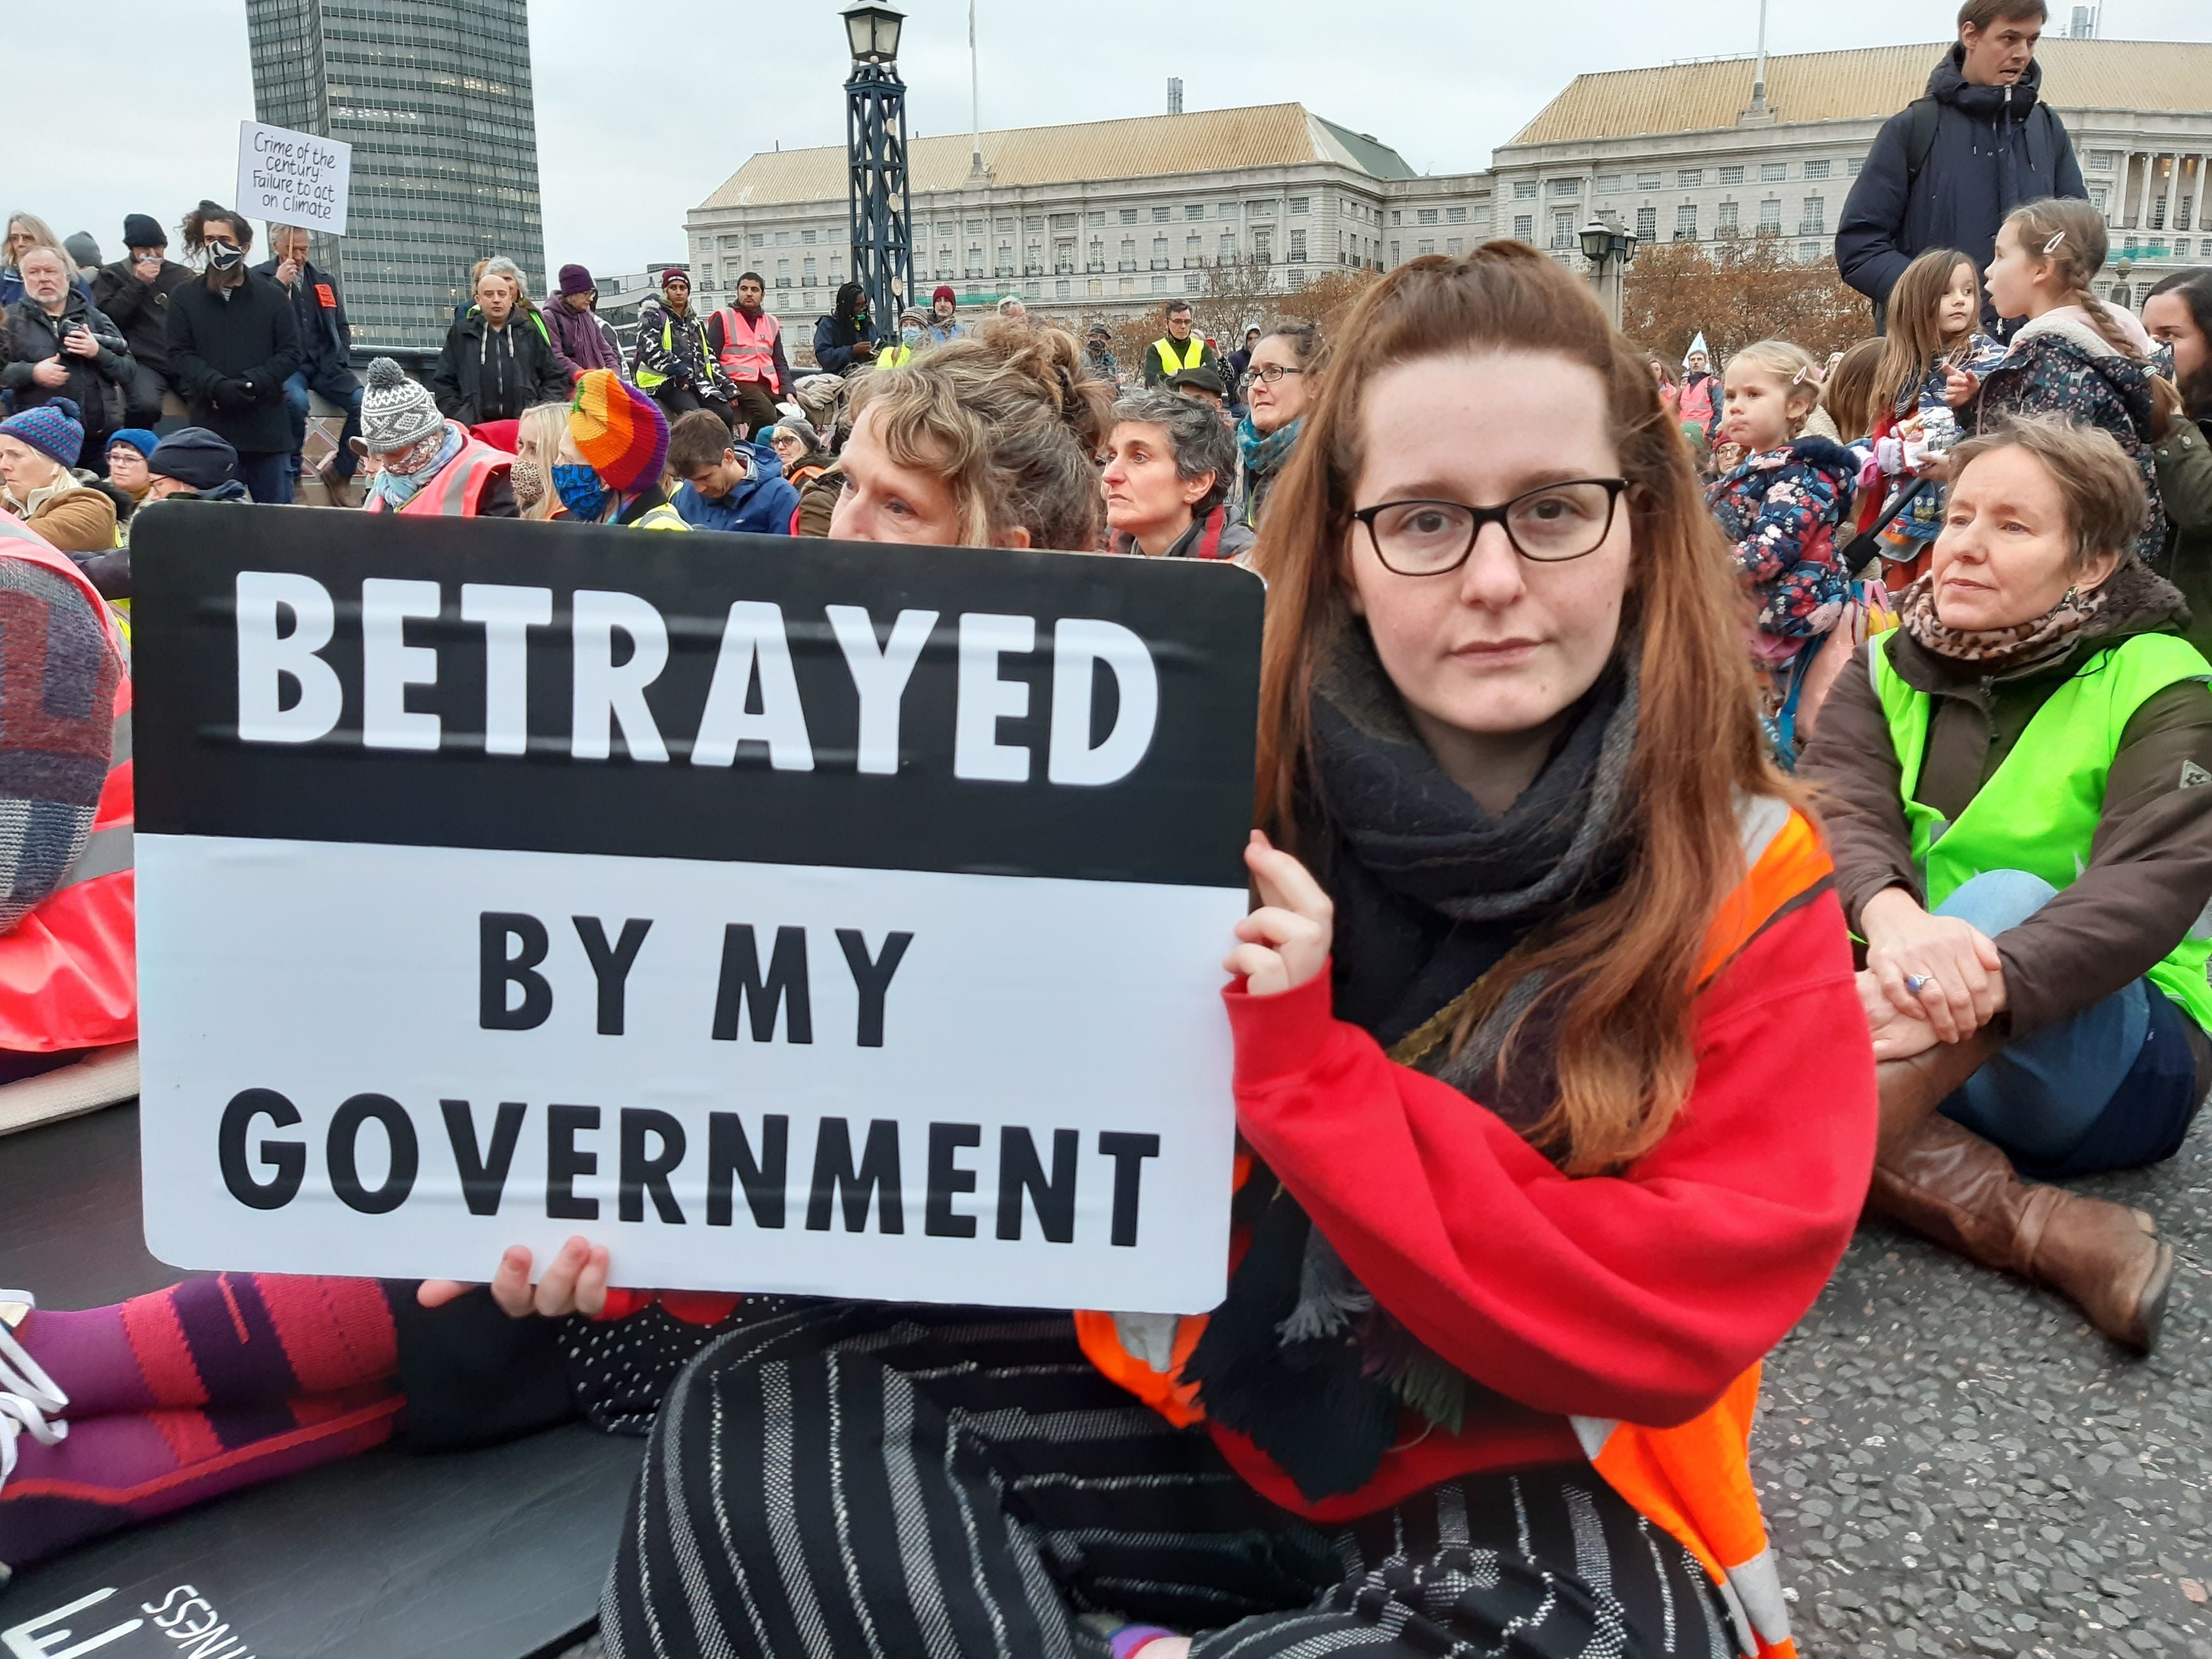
(1915, 343)
(1619, 973)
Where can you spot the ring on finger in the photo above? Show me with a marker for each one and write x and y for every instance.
(1916, 983)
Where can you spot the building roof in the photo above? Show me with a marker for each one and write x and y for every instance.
(1142, 147)
(2161, 77)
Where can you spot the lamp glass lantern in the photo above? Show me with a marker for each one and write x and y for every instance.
(873, 31)
(1596, 240)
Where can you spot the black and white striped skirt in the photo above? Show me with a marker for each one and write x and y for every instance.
(855, 1480)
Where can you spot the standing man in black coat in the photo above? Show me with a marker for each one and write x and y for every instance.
(233, 343)
(1946, 170)
(496, 362)
(326, 346)
(135, 294)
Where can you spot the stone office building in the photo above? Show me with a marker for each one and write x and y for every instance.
(1685, 152)
(1097, 221)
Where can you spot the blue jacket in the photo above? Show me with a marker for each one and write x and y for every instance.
(761, 505)
(1994, 151)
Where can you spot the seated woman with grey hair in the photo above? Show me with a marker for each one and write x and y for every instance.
(1169, 465)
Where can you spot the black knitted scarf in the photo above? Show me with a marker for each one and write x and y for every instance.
(1431, 892)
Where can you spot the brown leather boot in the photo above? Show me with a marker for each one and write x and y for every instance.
(1910, 1089)
(1950, 1185)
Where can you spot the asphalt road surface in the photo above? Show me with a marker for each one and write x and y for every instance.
(1954, 1463)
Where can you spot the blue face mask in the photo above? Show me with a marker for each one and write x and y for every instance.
(580, 491)
(909, 334)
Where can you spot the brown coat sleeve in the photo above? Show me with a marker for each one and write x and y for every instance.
(2149, 876)
(1851, 766)
(78, 521)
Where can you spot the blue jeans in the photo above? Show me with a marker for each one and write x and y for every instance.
(2039, 1097)
(341, 388)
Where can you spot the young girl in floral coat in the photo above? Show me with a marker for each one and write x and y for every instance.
(1779, 501)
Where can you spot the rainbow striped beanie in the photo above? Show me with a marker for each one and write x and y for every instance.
(619, 430)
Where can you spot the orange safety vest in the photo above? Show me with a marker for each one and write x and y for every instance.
(457, 490)
(69, 970)
(749, 348)
(1693, 1480)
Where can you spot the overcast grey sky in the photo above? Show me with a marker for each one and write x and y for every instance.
(642, 112)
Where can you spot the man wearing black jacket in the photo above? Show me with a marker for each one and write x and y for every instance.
(60, 347)
(326, 346)
(135, 294)
(234, 341)
(1945, 172)
(494, 365)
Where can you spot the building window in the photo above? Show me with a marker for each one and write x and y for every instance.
(1851, 168)
(1424, 247)
(1228, 245)
(1562, 228)
(2103, 160)
(1647, 181)
(1034, 221)
(1190, 284)
(1398, 216)
(783, 238)
(1647, 224)
(807, 237)
(1161, 216)
(1193, 248)
(1193, 209)
(1301, 205)
(1524, 190)
(1006, 224)
(1769, 171)
(1608, 183)
(808, 271)
(1263, 244)
(1260, 209)
(1426, 216)
(1159, 284)
(1524, 230)
(1770, 215)
(1566, 187)
(1686, 223)
(1225, 210)
(1691, 178)
(1455, 216)
(1396, 257)
(756, 240)
(1128, 216)
(1816, 169)
(1128, 285)
(1097, 258)
(1731, 175)
(1814, 220)
(1297, 247)
(1159, 253)
(1098, 219)
(1724, 220)
(1128, 253)
(1808, 251)
(1062, 290)
(975, 227)
(1456, 246)
(783, 273)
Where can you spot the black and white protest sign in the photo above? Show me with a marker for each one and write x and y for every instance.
(292, 178)
(787, 915)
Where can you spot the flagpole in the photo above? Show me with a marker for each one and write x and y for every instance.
(975, 98)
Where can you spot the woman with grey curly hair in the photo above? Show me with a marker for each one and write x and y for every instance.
(1171, 462)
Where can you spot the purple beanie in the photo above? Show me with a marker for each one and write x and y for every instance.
(52, 429)
(575, 279)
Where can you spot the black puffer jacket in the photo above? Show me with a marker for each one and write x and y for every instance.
(95, 384)
(486, 374)
(230, 358)
(1996, 147)
(139, 309)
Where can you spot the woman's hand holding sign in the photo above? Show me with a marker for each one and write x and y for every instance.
(1286, 940)
(575, 1281)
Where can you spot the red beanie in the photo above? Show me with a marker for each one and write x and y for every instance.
(944, 292)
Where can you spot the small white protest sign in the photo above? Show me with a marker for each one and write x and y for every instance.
(294, 178)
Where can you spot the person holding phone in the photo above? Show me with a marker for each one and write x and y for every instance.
(134, 291)
(66, 347)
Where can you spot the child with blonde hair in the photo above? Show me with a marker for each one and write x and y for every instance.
(1779, 499)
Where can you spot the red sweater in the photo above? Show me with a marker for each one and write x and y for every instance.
(1639, 1296)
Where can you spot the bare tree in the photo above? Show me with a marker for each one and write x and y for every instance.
(1736, 291)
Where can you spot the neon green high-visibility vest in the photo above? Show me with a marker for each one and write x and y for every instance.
(1191, 358)
(647, 379)
(2040, 811)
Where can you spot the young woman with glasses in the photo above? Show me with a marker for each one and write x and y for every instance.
(1284, 370)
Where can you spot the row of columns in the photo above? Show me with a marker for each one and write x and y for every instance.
(2178, 164)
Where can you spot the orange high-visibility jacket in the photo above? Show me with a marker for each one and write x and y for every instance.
(457, 491)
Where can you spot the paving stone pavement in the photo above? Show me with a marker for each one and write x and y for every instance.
(1954, 1463)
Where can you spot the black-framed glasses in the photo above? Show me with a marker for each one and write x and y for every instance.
(1271, 372)
(1548, 525)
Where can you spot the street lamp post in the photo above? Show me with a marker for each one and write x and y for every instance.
(1610, 247)
(879, 202)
